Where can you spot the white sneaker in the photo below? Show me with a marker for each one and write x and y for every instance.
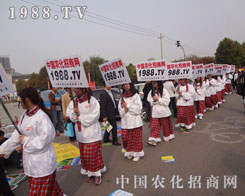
(153, 143)
(136, 158)
(195, 116)
(130, 157)
(200, 117)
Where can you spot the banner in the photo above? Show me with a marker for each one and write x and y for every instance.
(179, 70)
(218, 69)
(151, 71)
(92, 85)
(209, 69)
(5, 85)
(233, 68)
(114, 73)
(225, 69)
(66, 72)
(198, 71)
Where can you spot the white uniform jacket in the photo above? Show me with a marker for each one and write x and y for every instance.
(132, 118)
(39, 157)
(212, 90)
(160, 108)
(200, 92)
(89, 114)
(186, 99)
(219, 84)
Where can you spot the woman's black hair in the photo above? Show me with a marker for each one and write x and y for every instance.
(35, 98)
(88, 92)
(133, 90)
(159, 90)
(200, 81)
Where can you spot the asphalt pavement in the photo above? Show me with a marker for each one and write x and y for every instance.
(208, 161)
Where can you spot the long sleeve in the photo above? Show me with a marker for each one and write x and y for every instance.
(149, 98)
(121, 109)
(70, 112)
(165, 99)
(10, 145)
(87, 119)
(188, 95)
(136, 107)
(42, 141)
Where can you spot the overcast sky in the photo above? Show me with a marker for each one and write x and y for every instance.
(198, 24)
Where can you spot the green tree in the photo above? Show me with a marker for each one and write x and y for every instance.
(229, 52)
(92, 66)
(43, 79)
(132, 72)
(33, 81)
(198, 60)
(21, 84)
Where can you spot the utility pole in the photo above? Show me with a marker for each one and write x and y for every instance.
(161, 37)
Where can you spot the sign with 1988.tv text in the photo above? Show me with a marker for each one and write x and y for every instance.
(233, 68)
(198, 70)
(179, 70)
(225, 69)
(5, 85)
(218, 69)
(151, 71)
(114, 73)
(209, 69)
(67, 72)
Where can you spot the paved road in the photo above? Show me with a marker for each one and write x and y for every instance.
(215, 147)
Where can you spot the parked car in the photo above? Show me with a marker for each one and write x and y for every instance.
(44, 95)
(117, 95)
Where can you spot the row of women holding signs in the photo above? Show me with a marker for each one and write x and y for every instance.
(37, 131)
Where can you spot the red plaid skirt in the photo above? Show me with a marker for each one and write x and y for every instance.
(185, 115)
(132, 139)
(219, 97)
(44, 186)
(165, 123)
(200, 106)
(214, 99)
(91, 156)
(223, 94)
(227, 88)
(208, 102)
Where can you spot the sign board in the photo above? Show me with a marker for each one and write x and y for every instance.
(5, 85)
(209, 69)
(114, 73)
(225, 69)
(228, 68)
(218, 69)
(179, 70)
(151, 71)
(66, 72)
(233, 68)
(198, 71)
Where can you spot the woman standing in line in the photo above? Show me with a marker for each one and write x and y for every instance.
(130, 107)
(159, 99)
(39, 160)
(86, 115)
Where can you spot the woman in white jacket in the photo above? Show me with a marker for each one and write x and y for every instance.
(199, 97)
(130, 107)
(212, 90)
(86, 115)
(185, 106)
(159, 99)
(37, 134)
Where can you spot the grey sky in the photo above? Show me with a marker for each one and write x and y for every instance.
(198, 24)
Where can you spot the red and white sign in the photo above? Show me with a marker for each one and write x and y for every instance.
(233, 68)
(92, 85)
(179, 70)
(151, 71)
(218, 69)
(67, 72)
(198, 71)
(225, 69)
(209, 69)
(114, 73)
(5, 85)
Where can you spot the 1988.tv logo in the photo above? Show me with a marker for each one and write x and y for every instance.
(45, 12)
